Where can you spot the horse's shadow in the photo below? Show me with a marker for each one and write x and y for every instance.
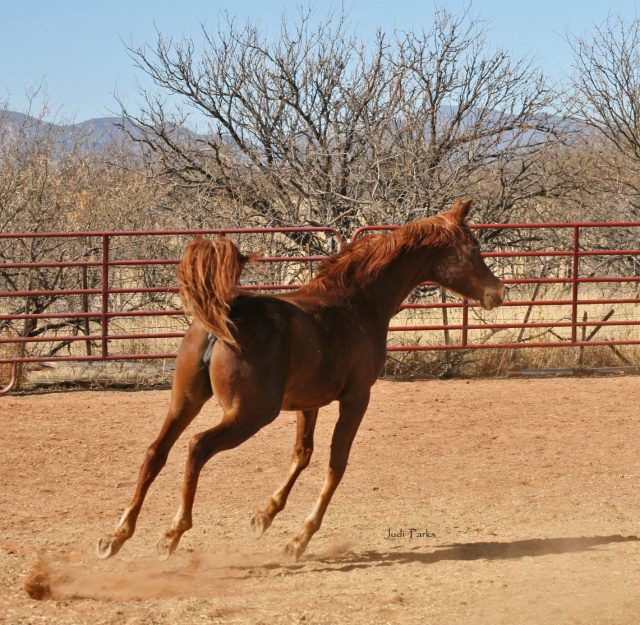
(533, 547)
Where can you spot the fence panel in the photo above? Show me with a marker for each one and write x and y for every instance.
(102, 296)
(118, 293)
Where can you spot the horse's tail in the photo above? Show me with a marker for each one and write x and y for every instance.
(208, 276)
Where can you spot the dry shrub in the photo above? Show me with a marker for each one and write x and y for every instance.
(484, 363)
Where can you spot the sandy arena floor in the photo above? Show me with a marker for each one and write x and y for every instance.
(525, 493)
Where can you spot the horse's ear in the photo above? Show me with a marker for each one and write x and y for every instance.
(459, 211)
(463, 211)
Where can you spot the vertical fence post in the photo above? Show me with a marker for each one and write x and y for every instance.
(465, 320)
(85, 308)
(445, 317)
(574, 290)
(583, 338)
(105, 294)
(445, 323)
(28, 327)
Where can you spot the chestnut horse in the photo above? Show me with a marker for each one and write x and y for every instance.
(260, 354)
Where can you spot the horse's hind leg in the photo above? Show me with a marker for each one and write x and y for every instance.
(232, 431)
(261, 521)
(191, 389)
(352, 410)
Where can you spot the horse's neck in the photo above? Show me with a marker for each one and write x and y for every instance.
(393, 284)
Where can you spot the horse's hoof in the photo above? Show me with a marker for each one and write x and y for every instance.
(167, 545)
(108, 546)
(294, 550)
(260, 523)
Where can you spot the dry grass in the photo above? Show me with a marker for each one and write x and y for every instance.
(498, 362)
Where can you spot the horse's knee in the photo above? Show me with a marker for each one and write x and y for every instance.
(337, 470)
(233, 431)
(155, 457)
(303, 456)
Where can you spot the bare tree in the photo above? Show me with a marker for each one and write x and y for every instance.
(472, 114)
(319, 126)
(604, 95)
(57, 179)
(40, 176)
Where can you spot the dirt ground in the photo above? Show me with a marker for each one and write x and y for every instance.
(523, 496)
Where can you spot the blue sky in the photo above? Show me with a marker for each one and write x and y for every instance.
(76, 46)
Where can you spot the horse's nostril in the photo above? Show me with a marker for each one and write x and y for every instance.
(493, 298)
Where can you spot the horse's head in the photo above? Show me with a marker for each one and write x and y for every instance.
(460, 266)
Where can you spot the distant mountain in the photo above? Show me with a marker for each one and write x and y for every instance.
(93, 127)
(99, 132)
(94, 133)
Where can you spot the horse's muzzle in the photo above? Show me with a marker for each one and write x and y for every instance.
(493, 297)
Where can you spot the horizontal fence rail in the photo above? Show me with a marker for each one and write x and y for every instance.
(103, 285)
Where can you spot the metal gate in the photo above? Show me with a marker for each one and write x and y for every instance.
(97, 284)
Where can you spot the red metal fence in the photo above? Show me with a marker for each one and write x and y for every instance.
(577, 255)
(105, 291)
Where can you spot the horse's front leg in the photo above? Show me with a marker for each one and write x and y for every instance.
(191, 389)
(352, 409)
(262, 521)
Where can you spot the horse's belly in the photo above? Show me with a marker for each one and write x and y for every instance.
(303, 403)
(327, 360)
(312, 394)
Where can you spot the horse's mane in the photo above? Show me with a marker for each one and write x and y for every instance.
(370, 254)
